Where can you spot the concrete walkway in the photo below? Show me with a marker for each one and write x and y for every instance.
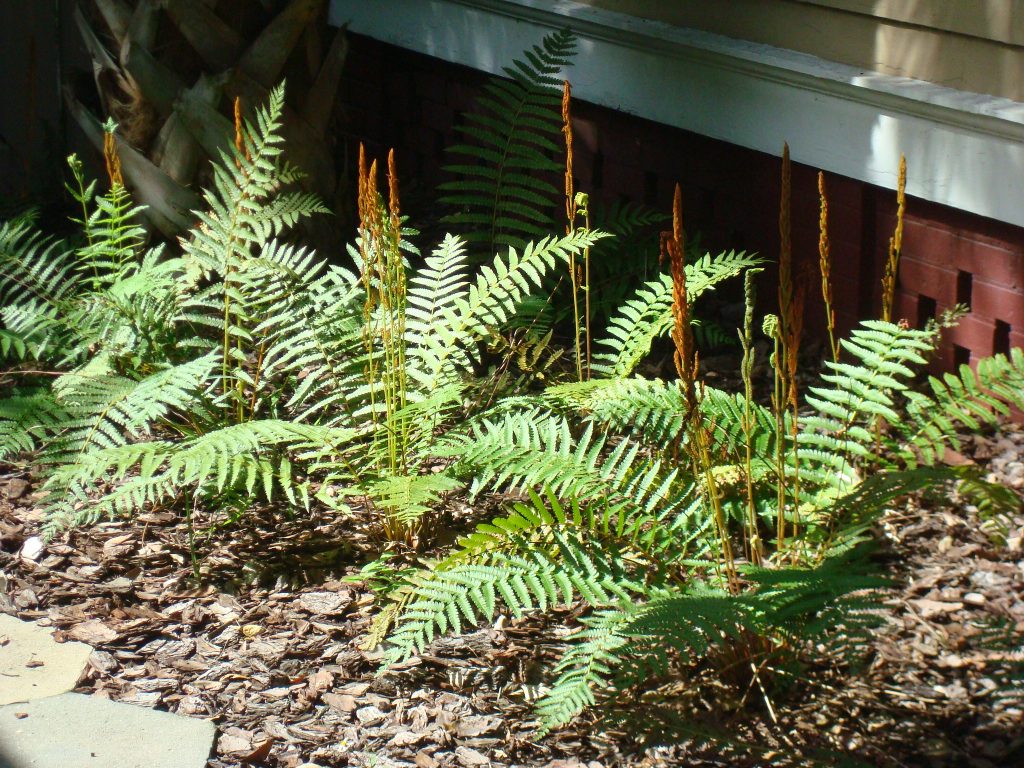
(43, 725)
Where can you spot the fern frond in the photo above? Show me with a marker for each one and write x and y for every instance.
(590, 662)
(432, 295)
(108, 410)
(444, 599)
(861, 393)
(114, 239)
(648, 315)
(488, 302)
(33, 266)
(501, 192)
(26, 421)
(965, 400)
(532, 450)
(244, 206)
(251, 456)
(408, 497)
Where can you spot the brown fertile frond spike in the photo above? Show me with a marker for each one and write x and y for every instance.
(371, 181)
(394, 204)
(796, 325)
(825, 267)
(570, 189)
(785, 241)
(892, 265)
(682, 333)
(361, 201)
(239, 141)
(677, 216)
(112, 160)
(901, 205)
(823, 242)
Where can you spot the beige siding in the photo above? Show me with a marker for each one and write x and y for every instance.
(971, 45)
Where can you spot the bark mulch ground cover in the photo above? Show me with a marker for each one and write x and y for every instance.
(268, 647)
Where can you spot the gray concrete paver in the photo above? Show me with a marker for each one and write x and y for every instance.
(33, 665)
(77, 731)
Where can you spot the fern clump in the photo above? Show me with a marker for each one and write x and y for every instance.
(647, 541)
(247, 364)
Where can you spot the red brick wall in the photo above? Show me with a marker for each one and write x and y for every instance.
(395, 98)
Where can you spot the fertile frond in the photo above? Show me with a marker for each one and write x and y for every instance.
(502, 195)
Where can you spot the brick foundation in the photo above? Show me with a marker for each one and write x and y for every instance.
(396, 98)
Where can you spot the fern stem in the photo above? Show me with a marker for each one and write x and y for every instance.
(700, 439)
(746, 371)
(586, 289)
(770, 327)
(571, 212)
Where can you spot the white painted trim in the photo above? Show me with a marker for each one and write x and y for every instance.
(963, 149)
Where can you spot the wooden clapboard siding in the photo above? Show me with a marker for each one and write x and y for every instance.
(970, 45)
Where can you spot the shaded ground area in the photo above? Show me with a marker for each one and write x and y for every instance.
(268, 649)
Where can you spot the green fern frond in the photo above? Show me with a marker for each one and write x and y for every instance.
(967, 400)
(245, 207)
(590, 662)
(407, 498)
(33, 266)
(433, 350)
(251, 456)
(861, 393)
(33, 330)
(443, 600)
(488, 302)
(108, 410)
(649, 314)
(113, 239)
(533, 450)
(26, 421)
(503, 197)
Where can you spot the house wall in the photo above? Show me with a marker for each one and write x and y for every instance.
(396, 98)
(971, 45)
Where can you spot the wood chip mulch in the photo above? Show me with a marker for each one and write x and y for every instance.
(268, 648)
